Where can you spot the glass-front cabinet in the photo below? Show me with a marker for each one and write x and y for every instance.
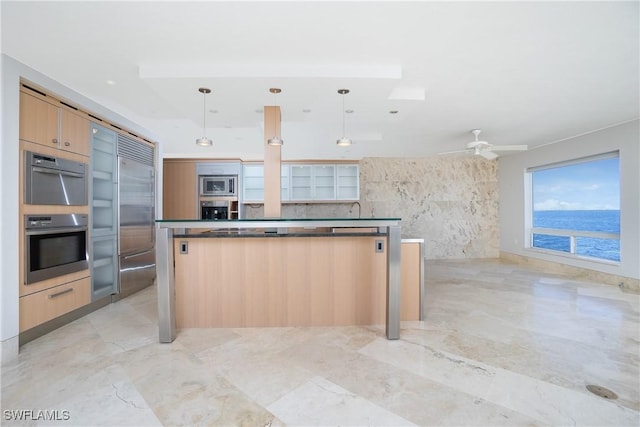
(324, 182)
(301, 182)
(253, 183)
(348, 182)
(306, 183)
(103, 223)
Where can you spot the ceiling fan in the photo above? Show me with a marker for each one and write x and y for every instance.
(485, 149)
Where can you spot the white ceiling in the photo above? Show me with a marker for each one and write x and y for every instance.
(526, 73)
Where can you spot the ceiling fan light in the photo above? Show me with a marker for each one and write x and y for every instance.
(204, 142)
(344, 142)
(275, 141)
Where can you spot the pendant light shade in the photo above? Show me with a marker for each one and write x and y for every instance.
(343, 141)
(275, 139)
(204, 141)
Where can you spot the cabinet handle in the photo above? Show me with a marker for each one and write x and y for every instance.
(57, 294)
(67, 143)
(54, 141)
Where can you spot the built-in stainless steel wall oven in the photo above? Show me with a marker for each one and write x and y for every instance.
(214, 209)
(55, 245)
(54, 181)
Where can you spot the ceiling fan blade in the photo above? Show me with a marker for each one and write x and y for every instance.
(489, 155)
(456, 151)
(509, 148)
(481, 144)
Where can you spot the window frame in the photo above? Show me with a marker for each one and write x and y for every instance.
(530, 230)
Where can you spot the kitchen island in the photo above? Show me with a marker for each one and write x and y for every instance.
(278, 272)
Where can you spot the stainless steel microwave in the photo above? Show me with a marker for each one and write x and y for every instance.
(224, 185)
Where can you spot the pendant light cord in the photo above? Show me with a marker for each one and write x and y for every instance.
(204, 113)
(343, 115)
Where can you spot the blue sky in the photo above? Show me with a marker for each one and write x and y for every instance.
(593, 185)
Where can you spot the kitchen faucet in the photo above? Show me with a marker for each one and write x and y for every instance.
(359, 208)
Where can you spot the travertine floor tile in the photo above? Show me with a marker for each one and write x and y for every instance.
(501, 345)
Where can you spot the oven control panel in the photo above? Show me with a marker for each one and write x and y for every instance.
(55, 221)
(38, 221)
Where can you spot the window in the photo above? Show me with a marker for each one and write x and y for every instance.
(575, 207)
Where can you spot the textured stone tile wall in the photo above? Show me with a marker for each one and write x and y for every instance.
(449, 201)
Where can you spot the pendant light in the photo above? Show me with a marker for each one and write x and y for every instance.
(204, 141)
(275, 140)
(344, 141)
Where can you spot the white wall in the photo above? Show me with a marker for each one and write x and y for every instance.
(624, 137)
(12, 72)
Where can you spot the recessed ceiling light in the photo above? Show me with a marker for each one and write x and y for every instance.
(213, 111)
(393, 112)
(110, 82)
(348, 111)
(306, 110)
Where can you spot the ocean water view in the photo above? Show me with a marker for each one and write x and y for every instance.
(607, 221)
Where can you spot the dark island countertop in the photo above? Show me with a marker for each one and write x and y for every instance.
(279, 227)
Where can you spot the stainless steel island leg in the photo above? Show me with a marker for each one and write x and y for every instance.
(166, 285)
(394, 280)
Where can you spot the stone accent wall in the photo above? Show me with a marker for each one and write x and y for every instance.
(449, 201)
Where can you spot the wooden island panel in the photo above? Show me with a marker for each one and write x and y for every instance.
(279, 281)
(411, 257)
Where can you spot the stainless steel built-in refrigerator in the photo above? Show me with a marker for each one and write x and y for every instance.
(136, 216)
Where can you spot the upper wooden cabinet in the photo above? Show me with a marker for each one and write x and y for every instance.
(53, 125)
(179, 189)
(39, 121)
(74, 133)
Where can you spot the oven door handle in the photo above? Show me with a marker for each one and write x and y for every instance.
(41, 231)
(57, 172)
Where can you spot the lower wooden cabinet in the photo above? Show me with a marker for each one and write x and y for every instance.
(43, 306)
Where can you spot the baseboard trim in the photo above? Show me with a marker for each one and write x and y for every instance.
(8, 350)
(53, 324)
(627, 284)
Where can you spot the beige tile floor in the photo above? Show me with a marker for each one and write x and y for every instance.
(501, 345)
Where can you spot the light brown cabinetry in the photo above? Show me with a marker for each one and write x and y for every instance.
(279, 281)
(411, 257)
(74, 133)
(52, 125)
(179, 189)
(43, 306)
(49, 127)
(39, 121)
